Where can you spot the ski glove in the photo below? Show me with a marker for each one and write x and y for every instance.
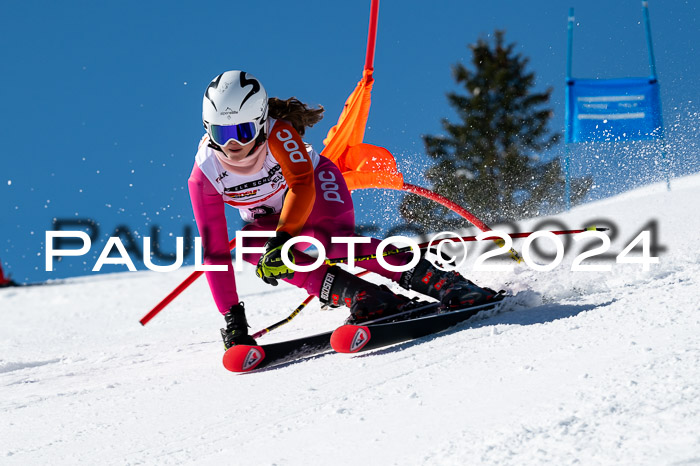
(270, 266)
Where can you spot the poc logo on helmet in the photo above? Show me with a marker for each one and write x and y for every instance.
(291, 146)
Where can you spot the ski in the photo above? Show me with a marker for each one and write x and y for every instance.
(245, 358)
(415, 323)
(355, 338)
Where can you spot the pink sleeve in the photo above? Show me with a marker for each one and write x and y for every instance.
(209, 213)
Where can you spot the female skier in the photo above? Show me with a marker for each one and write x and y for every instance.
(253, 158)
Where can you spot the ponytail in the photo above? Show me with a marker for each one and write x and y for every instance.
(295, 112)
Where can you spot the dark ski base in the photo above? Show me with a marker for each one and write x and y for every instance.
(408, 325)
(356, 338)
(245, 358)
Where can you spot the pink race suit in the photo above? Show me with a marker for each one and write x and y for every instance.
(332, 215)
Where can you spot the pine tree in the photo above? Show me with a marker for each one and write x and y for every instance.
(488, 161)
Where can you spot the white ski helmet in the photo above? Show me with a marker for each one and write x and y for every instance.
(234, 107)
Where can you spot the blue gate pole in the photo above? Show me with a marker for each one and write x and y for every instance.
(647, 27)
(570, 40)
(567, 156)
(667, 165)
(665, 160)
(567, 183)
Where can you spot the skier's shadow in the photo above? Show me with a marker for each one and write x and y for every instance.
(287, 364)
(527, 316)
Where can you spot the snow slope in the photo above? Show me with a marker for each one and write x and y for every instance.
(587, 368)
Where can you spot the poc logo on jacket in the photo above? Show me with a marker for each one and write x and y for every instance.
(329, 186)
(291, 146)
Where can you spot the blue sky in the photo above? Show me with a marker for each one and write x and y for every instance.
(101, 109)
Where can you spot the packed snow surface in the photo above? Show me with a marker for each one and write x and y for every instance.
(583, 367)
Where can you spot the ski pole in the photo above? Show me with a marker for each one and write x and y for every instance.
(497, 239)
(172, 295)
(295, 313)
(176, 292)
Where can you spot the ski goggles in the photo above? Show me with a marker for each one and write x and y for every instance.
(242, 133)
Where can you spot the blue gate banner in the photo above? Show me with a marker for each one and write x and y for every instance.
(613, 109)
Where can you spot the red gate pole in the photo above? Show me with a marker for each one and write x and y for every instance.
(458, 210)
(372, 35)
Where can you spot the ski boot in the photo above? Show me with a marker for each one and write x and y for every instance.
(450, 288)
(236, 331)
(366, 300)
